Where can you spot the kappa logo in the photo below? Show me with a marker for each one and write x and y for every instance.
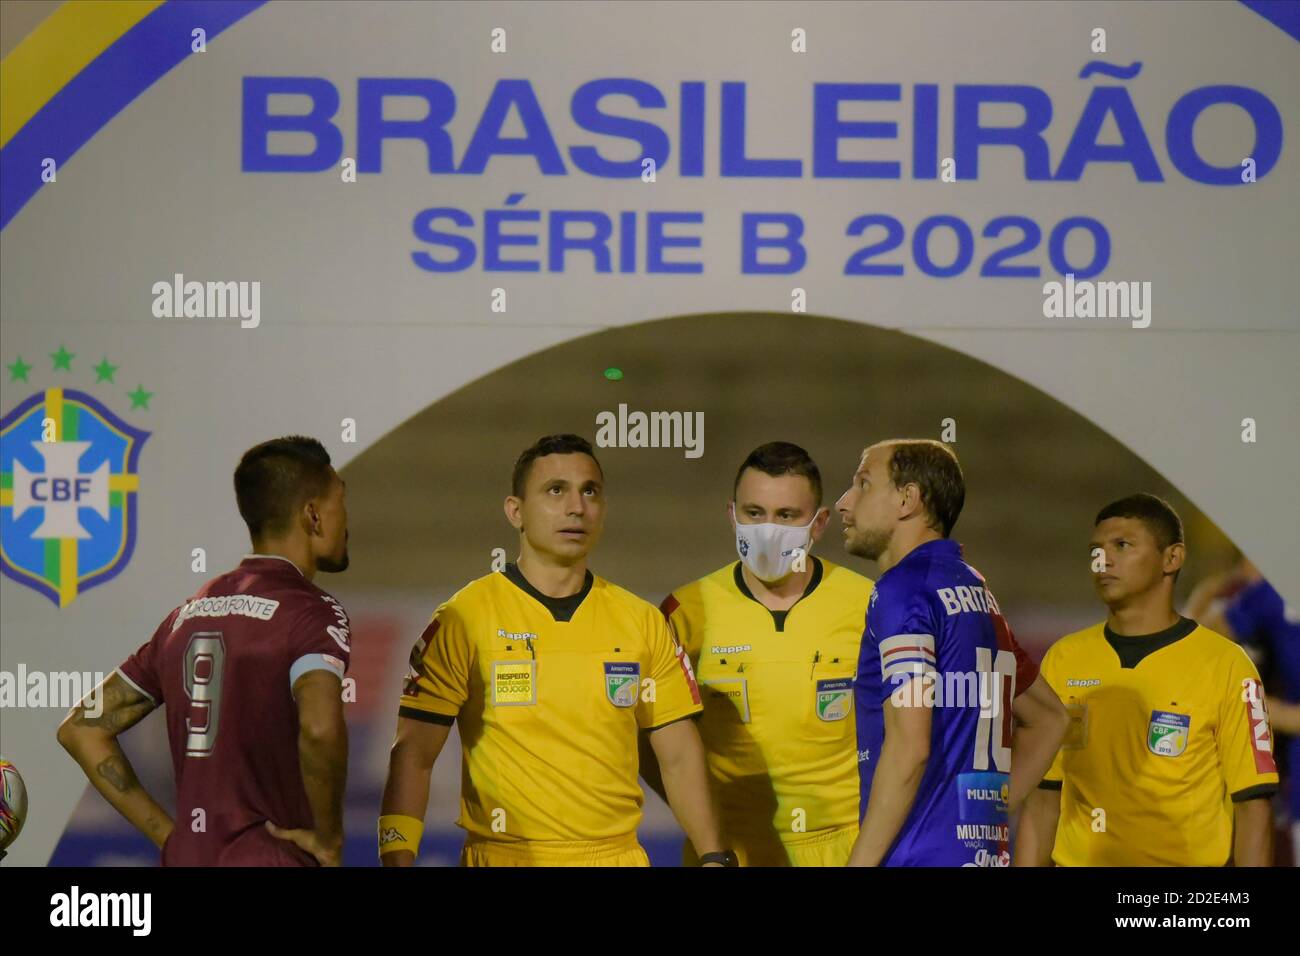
(1082, 682)
(68, 506)
(730, 648)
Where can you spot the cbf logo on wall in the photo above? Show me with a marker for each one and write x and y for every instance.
(69, 484)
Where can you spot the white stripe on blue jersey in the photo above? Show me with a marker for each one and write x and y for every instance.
(906, 654)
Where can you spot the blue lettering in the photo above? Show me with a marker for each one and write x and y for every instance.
(751, 242)
(734, 160)
(829, 129)
(627, 242)
(656, 242)
(925, 131)
(537, 140)
(586, 113)
(969, 135)
(692, 130)
(259, 123)
(373, 129)
(1182, 145)
(559, 243)
(493, 239)
(1133, 148)
(424, 231)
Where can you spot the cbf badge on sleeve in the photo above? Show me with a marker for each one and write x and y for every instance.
(622, 682)
(1167, 733)
(834, 698)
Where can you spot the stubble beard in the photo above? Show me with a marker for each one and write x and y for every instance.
(869, 544)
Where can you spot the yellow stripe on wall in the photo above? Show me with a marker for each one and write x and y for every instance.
(59, 48)
(67, 571)
(54, 410)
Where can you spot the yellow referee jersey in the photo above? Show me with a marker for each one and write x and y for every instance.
(778, 707)
(1166, 731)
(548, 695)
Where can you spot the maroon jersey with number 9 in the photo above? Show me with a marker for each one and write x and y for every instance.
(223, 665)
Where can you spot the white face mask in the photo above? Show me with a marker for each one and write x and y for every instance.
(768, 550)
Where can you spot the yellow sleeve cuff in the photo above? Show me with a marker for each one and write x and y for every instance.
(397, 832)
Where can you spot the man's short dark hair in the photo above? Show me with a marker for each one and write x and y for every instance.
(548, 445)
(932, 467)
(1156, 514)
(275, 478)
(778, 458)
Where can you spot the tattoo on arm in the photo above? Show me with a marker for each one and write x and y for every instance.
(120, 706)
(117, 771)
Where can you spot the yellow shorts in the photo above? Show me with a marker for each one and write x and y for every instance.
(619, 851)
(823, 848)
(827, 848)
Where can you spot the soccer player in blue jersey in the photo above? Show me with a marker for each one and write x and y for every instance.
(1256, 616)
(955, 728)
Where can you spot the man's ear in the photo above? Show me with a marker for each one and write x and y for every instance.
(311, 515)
(514, 512)
(911, 500)
(1175, 555)
(819, 523)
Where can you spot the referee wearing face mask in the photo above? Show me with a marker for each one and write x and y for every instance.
(774, 641)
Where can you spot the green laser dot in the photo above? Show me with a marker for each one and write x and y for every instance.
(614, 374)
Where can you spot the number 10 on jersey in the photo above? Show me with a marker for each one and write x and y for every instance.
(997, 684)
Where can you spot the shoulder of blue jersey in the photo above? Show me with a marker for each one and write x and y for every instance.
(897, 587)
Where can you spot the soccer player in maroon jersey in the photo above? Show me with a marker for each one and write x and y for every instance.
(251, 670)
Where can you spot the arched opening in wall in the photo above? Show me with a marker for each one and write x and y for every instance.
(425, 502)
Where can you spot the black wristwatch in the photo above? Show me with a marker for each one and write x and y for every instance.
(725, 857)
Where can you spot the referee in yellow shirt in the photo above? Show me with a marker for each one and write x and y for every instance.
(549, 673)
(1169, 758)
(774, 639)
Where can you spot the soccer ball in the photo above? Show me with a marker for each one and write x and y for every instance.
(13, 804)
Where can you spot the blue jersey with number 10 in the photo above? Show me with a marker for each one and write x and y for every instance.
(934, 635)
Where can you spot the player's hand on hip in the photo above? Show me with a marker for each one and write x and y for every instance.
(327, 853)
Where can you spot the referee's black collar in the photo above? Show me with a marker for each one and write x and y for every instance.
(1133, 648)
(778, 617)
(561, 608)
